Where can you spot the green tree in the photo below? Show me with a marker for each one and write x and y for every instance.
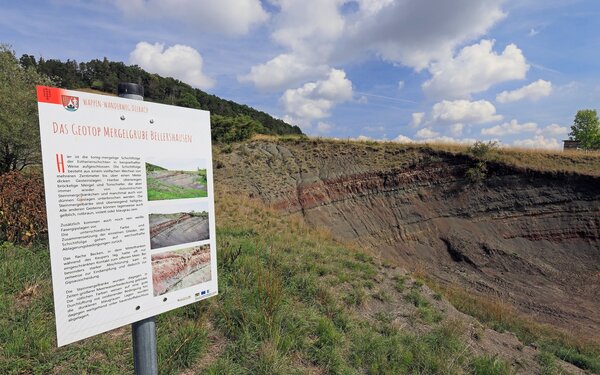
(586, 130)
(188, 100)
(19, 127)
(226, 129)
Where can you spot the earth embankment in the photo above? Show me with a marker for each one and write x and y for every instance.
(528, 237)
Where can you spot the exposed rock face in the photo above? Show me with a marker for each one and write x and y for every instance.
(176, 229)
(169, 269)
(530, 238)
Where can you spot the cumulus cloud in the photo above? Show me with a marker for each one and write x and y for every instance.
(555, 129)
(314, 100)
(409, 33)
(464, 112)
(178, 61)
(436, 139)
(308, 27)
(402, 139)
(323, 127)
(446, 139)
(457, 129)
(475, 69)
(533, 91)
(417, 118)
(538, 141)
(233, 17)
(282, 71)
(512, 127)
(426, 133)
(318, 33)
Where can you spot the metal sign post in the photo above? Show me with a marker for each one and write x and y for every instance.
(143, 333)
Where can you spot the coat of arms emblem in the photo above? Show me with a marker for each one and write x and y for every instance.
(71, 103)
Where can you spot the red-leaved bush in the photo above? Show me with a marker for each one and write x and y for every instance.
(22, 207)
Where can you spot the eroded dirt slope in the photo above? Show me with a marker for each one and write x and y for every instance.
(531, 238)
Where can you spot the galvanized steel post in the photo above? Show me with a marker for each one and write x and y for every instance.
(143, 333)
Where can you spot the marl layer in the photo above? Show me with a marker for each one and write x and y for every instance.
(527, 237)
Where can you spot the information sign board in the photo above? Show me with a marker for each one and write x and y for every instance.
(129, 197)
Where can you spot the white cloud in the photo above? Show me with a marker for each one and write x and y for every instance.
(314, 100)
(323, 127)
(402, 139)
(362, 138)
(410, 33)
(555, 129)
(282, 71)
(426, 133)
(308, 27)
(362, 100)
(476, 68)
(179, 61)
(317, 33)
(400, 85)
(464, 111)
(446, 139)
(417, 118)
(457, 129)
(539, 141)
(512, 127)
(233, 17)
(437, 139)
(533, 91)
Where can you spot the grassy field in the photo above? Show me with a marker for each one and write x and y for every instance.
(555, 161)
(501, 317)
(290, 303)
(160, 190)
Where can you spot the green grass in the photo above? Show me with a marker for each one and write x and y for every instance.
(289, 302)
(158, 190)
(151, 167)
(551, 341)
(373, 152)
(490, 365)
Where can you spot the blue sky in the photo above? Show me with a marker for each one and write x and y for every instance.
(406, 70)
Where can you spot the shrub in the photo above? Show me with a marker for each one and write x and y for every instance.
(234, 129)
(22, 207)
(476, 173)
(481, 149)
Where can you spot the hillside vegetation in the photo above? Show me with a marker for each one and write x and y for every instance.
(514, 244)
(291, 301)
(104, 75)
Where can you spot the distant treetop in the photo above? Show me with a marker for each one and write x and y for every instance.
(586, 129)
(105, 75)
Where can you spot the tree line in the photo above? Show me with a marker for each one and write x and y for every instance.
(105, 75)
(19, 128)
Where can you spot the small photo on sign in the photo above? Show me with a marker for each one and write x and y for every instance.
(179, 269)
(177, 228)
(165, 183)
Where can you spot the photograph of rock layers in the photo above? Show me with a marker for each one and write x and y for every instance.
(179, 269)
(163, 183)
(169, 229)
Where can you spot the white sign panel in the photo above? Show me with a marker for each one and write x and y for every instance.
(131, 220)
